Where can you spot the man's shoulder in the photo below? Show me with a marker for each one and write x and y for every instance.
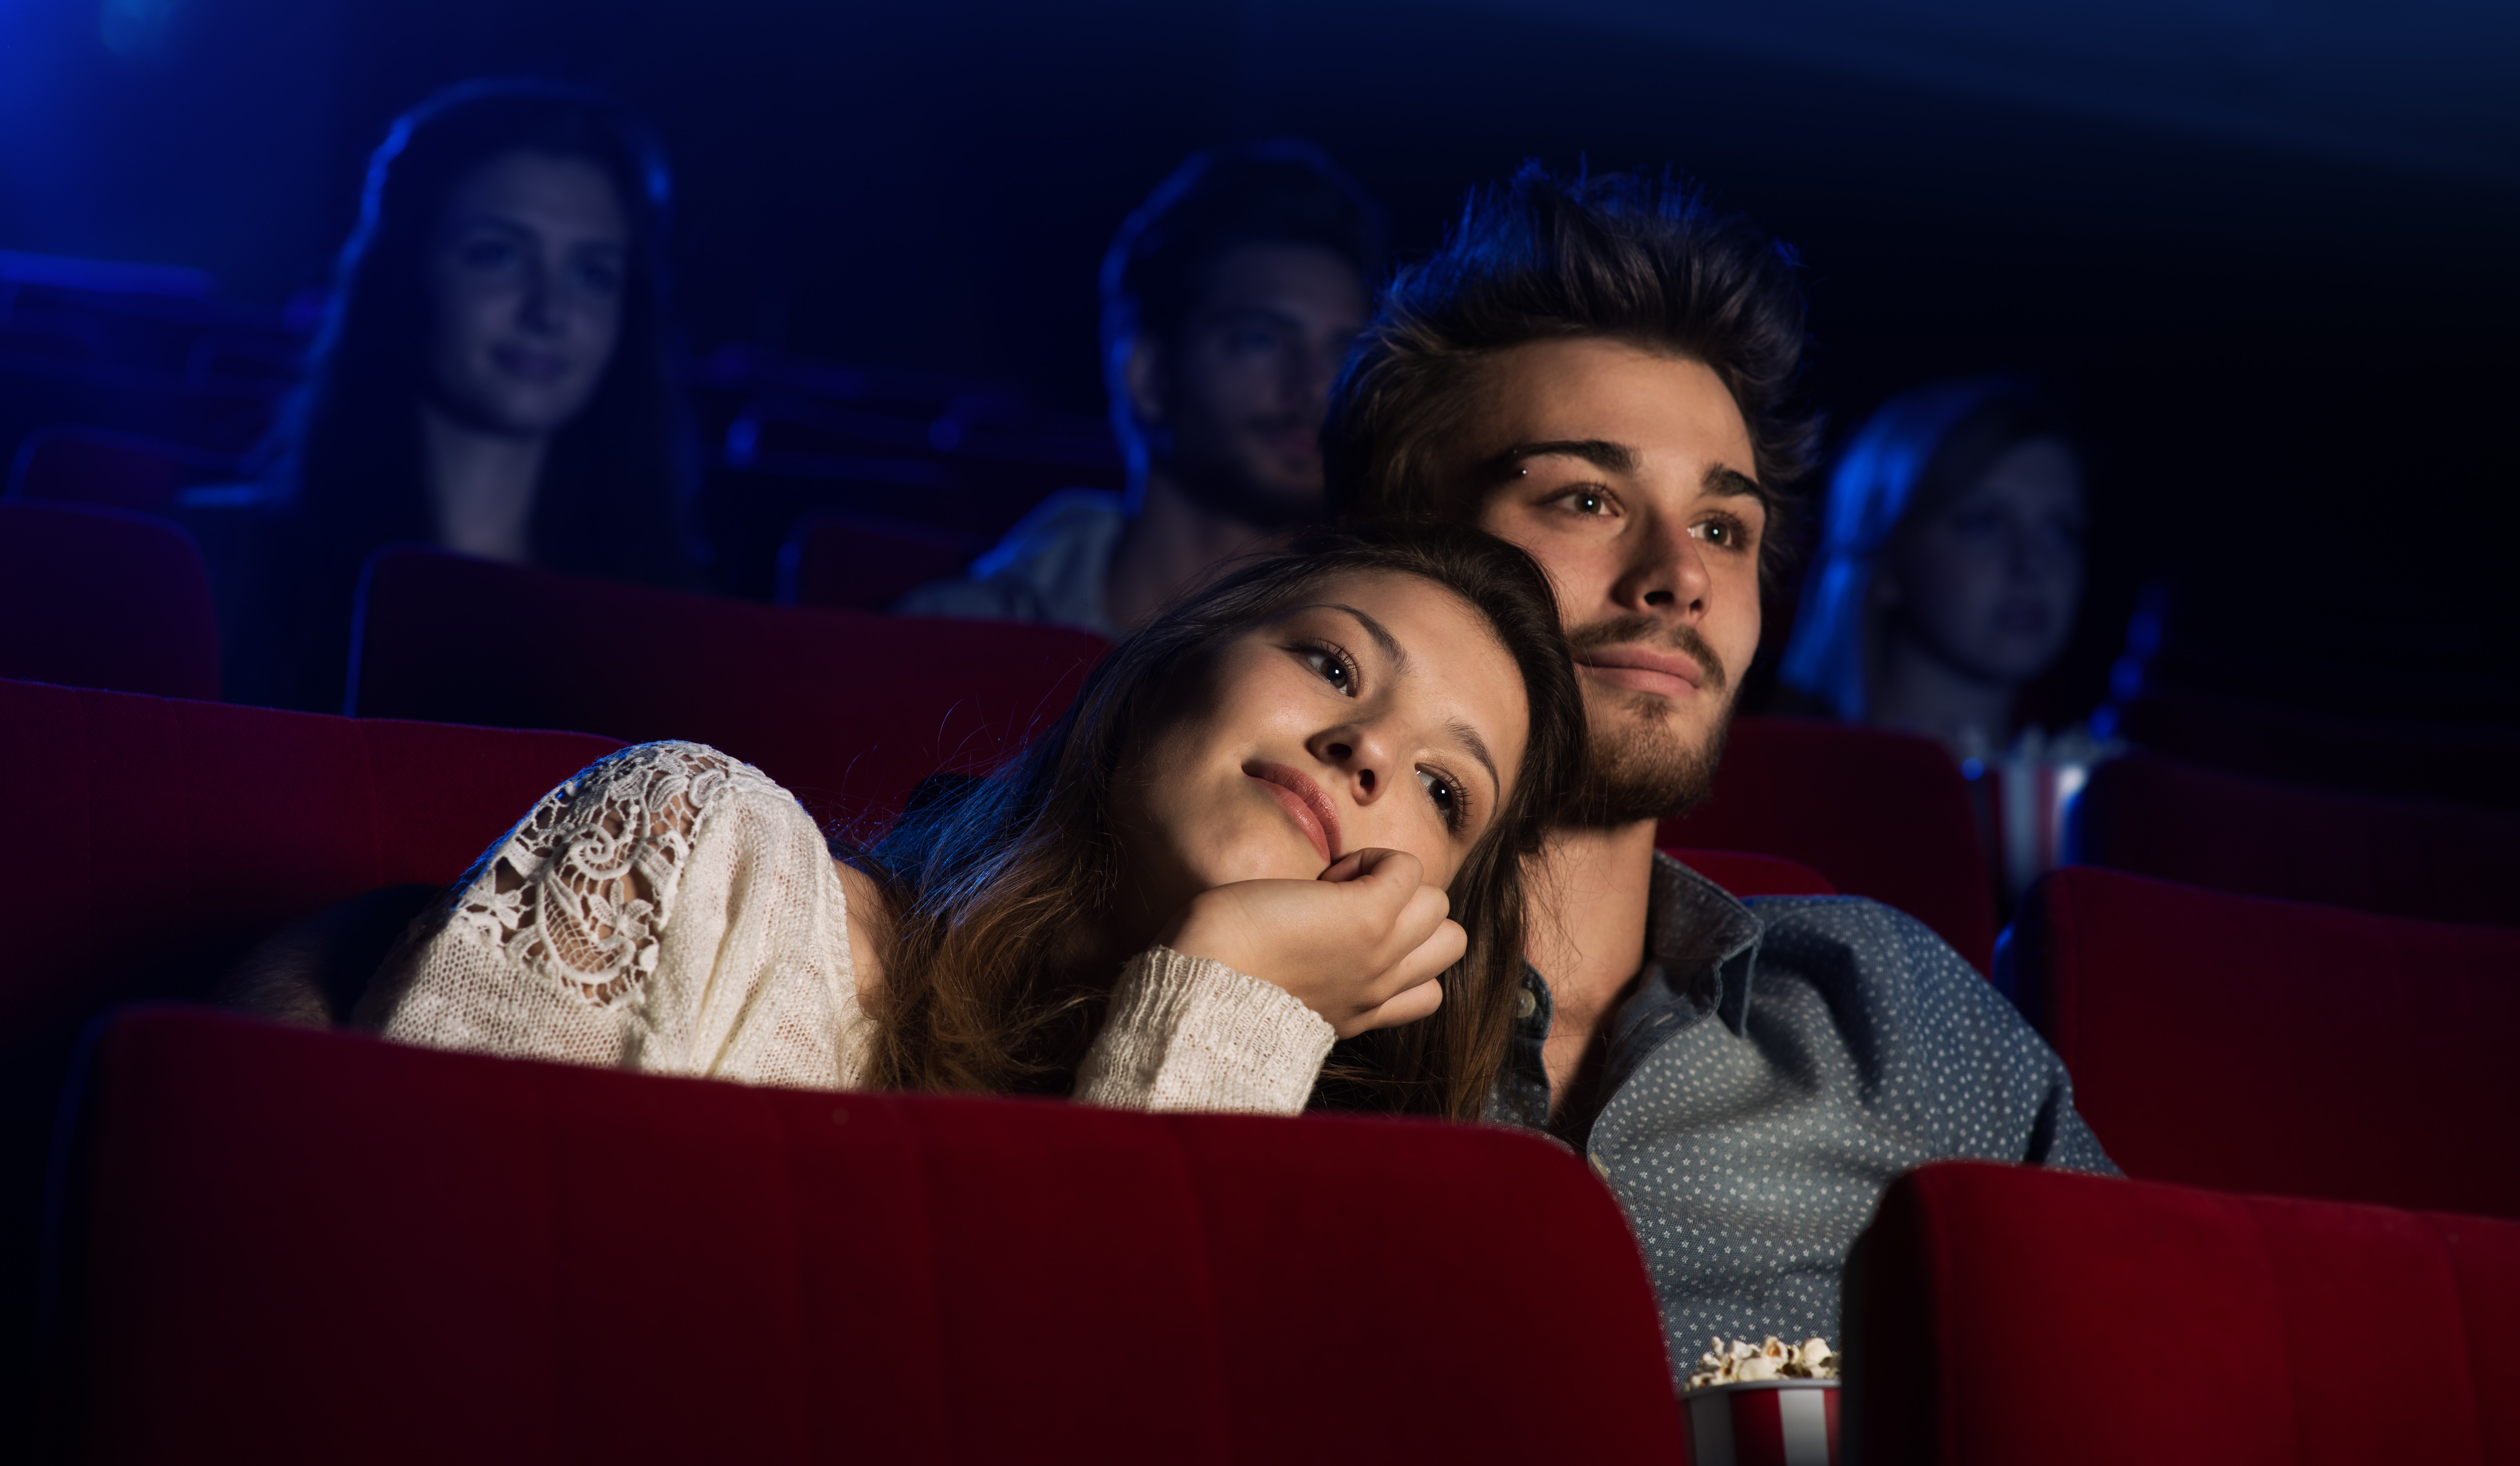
(1059, 527)
(1858, 929)
(1048, 567)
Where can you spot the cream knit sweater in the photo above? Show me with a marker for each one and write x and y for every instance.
(672, 910)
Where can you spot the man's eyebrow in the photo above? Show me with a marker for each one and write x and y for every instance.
(1729, 482)
(1244, 310)
(1600, 452)
(1479, 748)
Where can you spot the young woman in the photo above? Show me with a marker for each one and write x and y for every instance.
(492, 377)
(1288, 813)
(1951, 566)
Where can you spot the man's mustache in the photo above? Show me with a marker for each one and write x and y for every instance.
(1628, 630)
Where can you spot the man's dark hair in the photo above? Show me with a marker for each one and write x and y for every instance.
(1284, 192)
(1624, 256)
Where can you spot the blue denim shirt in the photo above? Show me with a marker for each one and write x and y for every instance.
(1778, 1065)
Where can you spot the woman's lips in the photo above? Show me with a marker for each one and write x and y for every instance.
(1304, 803)
(1672, 674)
(529, 366)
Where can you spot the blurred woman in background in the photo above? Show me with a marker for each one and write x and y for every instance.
(492, 377)
(1949, 568)
(1949, 578)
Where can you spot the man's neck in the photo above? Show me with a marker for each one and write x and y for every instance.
(481, 486)
(1924, 693)
(1591, 897)
(1173, 539)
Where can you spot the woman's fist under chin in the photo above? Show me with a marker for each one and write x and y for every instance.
(1361, 945)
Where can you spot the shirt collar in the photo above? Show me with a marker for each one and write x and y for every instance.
(1699, 933)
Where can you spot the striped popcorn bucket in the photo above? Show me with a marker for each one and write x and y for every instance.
(1764, 1423)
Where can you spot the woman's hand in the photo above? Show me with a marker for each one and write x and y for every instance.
(1361, 945)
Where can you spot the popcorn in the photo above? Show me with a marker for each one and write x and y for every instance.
(1740, 1362)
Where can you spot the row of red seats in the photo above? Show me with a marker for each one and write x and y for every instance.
(851, 711)
(309, 1247)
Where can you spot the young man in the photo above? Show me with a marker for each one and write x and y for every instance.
(1596, 371)
(1229, 299)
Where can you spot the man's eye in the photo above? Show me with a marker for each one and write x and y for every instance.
(1723, 533)
(599, 279)
(487, 254)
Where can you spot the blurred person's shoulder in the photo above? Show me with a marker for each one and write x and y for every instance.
(1050, 566)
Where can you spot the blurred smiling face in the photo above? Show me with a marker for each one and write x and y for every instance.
(528, 273)
(1379, 712)
(1243, 393)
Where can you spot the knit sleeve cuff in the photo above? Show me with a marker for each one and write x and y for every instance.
(1187, 1033)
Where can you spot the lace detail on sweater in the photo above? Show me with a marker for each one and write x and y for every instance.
(579, 894)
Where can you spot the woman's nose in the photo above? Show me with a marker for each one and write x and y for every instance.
(1357, 751)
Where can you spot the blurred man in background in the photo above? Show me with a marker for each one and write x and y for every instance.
(1229, 300)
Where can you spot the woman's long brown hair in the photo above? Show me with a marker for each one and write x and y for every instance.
(995, 884)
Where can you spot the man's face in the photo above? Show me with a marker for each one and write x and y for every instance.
(1627, 474)
(1236, 402)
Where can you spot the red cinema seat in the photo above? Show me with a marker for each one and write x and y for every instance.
(2183, 822)
(849, 711)
(1883, 815)
(103, 597)
(2265, 1045)
(302, 1246)
(152, 842)
(1747, 875)
(1999, 1315)
(151, 835)
(865, 563)
(116, 469)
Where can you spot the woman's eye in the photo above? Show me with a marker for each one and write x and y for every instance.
(600, 279)
(1332, 667)
(1448, 799)
(487, 254)
(1588, 501)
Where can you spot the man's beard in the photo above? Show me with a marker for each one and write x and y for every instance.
(1644, 768)
(1216, 476)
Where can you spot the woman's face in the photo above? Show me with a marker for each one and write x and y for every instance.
(1379, 712)
(528, 273)
(1990, 582)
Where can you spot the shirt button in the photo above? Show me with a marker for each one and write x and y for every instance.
(1600, 1167)
(1525, 1005)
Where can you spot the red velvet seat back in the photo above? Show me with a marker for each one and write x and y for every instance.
(152, 840)
(150, 836)
(2265, 1045)
(102, 598)
(2159, 815)
(1999, 1315)
(1883, 815)
(864, 563)
(307, 1247)
(119, 469)
(848, 711)
(1745, 874)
